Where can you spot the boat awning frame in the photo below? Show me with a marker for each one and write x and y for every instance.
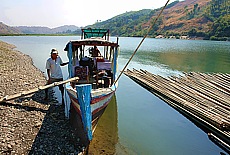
(93, 37)
(91, 42)
(89, 33)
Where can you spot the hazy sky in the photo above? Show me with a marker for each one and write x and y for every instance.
(54, 13)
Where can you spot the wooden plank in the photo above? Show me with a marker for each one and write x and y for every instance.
(31, 91)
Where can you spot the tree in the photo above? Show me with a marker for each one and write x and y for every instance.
(192, 32)
(221, 27)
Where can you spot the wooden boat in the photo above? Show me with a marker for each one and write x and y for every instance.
(96, 70)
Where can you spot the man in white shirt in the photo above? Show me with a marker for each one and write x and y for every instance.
(54, 71)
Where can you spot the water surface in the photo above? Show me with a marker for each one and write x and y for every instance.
(146, 124)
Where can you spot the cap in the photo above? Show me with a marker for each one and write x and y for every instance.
(54, 50)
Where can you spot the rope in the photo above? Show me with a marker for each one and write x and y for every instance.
(141, 41)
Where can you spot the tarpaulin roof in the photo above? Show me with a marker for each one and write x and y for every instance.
(91, 42)
(93, 37)
(89, 33)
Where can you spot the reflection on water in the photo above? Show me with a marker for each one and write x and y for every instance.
(184, 55)
(192, 61)
(105, 136)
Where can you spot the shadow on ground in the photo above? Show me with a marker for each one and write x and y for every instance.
(55, 135)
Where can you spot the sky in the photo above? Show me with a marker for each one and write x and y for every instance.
(54, 13)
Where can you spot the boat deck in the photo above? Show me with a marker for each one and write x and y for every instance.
(202, 98)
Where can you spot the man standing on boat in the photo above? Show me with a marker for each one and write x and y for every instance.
(95, 52)
(54, 71)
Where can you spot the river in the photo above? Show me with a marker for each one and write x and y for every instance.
(144, 123)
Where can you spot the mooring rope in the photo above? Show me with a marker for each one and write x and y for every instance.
(141, 41)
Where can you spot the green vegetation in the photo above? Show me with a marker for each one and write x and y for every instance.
(172, 4)
(204, 19)
(127, 24)
(219, 12)
(213, 17)
(64, 34)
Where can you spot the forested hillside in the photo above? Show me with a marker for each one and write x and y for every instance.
(209, 19)
(126, 24)
(219, 12)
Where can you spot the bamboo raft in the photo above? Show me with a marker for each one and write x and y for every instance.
(203, 98)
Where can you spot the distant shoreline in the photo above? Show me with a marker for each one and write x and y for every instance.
(17, 71)
(157, 37)
(39, 35)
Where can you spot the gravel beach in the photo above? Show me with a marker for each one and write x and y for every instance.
(30, 125)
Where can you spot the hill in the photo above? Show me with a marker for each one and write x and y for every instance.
(4, 29)
(126, 24)
(46, 30)
(208, 19)
(65, 29)
(201, 18)
(33, 29)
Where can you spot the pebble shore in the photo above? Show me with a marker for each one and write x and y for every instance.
(30, 125)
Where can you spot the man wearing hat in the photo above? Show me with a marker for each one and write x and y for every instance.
(54, 71)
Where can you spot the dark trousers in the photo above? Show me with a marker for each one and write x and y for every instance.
(61, 88)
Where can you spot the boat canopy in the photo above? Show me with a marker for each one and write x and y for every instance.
(93, 37)
(91, 42)
(89, 33)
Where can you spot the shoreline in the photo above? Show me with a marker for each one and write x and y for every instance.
(30, 125)
(17, 71)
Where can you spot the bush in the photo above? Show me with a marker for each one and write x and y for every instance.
(219, 38)
(213, 38)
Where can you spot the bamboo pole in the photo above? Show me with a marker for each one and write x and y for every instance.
(214, 91)
(174, 96)
(206, 94)
(200, 96)
(31, 91)
(217, 85)
(216, 105)
(183, 93)
(189, 92)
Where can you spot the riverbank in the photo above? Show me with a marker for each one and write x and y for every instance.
(30, 125)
